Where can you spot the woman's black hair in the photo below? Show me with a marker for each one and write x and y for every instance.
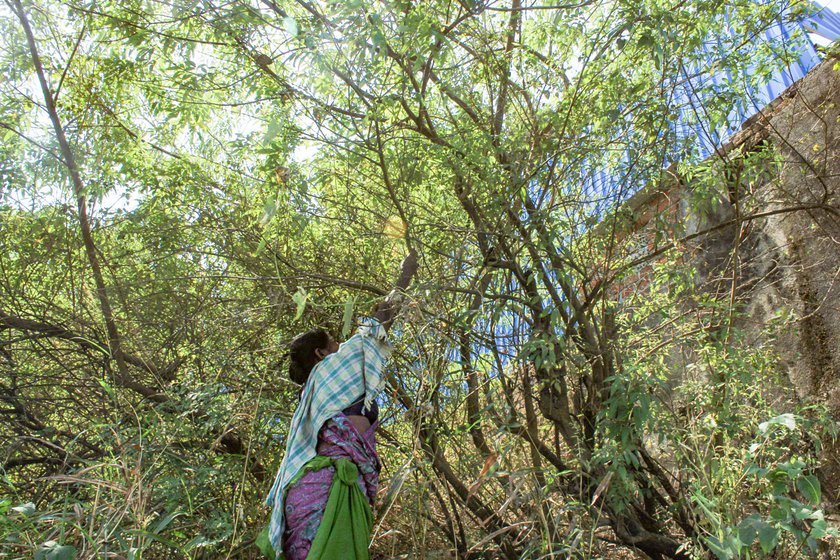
(302, 353)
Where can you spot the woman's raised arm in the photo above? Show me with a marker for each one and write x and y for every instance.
(387, 309)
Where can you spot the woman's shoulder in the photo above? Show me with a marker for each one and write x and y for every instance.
(370, 329)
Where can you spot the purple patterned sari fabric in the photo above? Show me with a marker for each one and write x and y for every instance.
(307, 498)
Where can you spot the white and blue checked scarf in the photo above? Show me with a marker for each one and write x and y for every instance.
(335, 383)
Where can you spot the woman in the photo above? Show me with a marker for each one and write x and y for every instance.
(325, 488)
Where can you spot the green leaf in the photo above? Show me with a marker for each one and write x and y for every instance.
(291, 25)
(198, 541)
(164, 523)
(107, 387)
(748, 529)
(768, 537)
(645, 40)
(269, 209)
(786, 420)
(721, 550)
(809, 486)
(792, 469)
(801, 512)
(819, 528)
(347, 318)
(780, 514)
(27, 509)
(51, 550)
(261, 247)
(299, 298)
(272, 130)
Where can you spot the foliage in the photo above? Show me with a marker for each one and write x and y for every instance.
(562, 381)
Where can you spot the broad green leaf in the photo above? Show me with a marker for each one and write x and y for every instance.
(748, 529)
(27, 509)
(291, 25)
(819, 528)
(299, 297)
(810, 488)
(719, 549)
(107, 387)
(786, 420)
(347, 317)
(51, 550)
(768, 537)
(199, 541)
(801, 511)
(261, 247)
(269, 209)
(272, 130)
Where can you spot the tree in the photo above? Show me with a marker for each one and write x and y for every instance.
(474, 133)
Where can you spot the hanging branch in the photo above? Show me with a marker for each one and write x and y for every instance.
(124, 377)
(228, 441)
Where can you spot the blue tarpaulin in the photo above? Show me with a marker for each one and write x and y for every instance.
(824, 23)
(690, 94)
(691, 131)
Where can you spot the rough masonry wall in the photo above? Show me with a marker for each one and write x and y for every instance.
(786, 264)
(795, 254)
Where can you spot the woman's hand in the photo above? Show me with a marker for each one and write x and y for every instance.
(408, 269)
(385, 311)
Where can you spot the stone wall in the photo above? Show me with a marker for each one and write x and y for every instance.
(786, 261)
(797, 253)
